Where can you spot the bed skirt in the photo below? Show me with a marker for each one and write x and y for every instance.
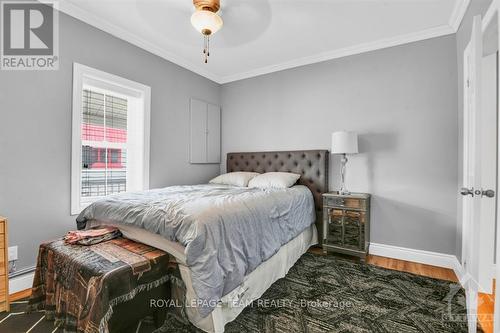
(231, 305)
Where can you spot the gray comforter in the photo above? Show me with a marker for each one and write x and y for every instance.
(226, 231)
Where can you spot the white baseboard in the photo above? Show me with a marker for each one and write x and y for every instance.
(420, 256)
(21, 282)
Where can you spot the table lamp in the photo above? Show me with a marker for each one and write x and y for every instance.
(344, 143)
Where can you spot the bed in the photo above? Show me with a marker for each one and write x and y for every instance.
(250, 237)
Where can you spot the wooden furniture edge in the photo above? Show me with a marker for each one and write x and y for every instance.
(6, 258)
(20, 295)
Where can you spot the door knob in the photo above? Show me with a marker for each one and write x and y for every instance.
(488, 193)
(466, 191)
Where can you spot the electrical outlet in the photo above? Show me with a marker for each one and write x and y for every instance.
(12, 266)
(12, 253)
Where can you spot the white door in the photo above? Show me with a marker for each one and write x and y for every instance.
(479, 183)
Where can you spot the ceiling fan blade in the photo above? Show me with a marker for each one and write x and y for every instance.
(171, 18)
(244, 21)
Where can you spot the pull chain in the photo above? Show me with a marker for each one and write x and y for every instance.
(206, 47)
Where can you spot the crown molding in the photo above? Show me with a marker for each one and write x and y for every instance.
(458, 13)
(340, 53)
(455, 20)
(93, 20)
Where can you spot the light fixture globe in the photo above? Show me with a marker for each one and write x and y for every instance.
(206, 22)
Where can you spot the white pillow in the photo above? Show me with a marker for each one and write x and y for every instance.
(274, 180)
(238, 178)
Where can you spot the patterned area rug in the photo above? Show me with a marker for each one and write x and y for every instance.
(327, 294)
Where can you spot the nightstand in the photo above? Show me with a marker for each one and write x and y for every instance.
(346, 223)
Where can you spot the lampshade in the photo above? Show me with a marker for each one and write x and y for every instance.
(344, 143)
(206, 22)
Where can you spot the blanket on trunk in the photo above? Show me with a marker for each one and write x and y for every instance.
(78, 286)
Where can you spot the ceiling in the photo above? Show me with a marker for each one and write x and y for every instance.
(264, 36)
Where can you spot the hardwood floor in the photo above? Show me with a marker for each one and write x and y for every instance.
(486, 310)
(413, 267)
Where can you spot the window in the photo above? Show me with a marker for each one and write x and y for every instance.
(110, 148)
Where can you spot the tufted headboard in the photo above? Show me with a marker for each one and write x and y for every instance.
(311, 164)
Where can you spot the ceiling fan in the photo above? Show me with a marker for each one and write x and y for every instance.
(206, 21)
(244, 21)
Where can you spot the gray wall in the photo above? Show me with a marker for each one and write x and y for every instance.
(476, 7)
(35, 134)
(402, 101)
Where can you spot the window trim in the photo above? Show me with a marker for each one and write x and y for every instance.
(82, 76)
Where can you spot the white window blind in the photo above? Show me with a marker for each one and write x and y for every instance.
(104, 144)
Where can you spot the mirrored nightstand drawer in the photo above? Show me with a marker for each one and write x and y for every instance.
(345, 202)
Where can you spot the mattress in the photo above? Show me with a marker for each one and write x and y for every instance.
(225, 231)
(252, 287)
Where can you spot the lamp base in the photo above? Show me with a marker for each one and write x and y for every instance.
(343, 190)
